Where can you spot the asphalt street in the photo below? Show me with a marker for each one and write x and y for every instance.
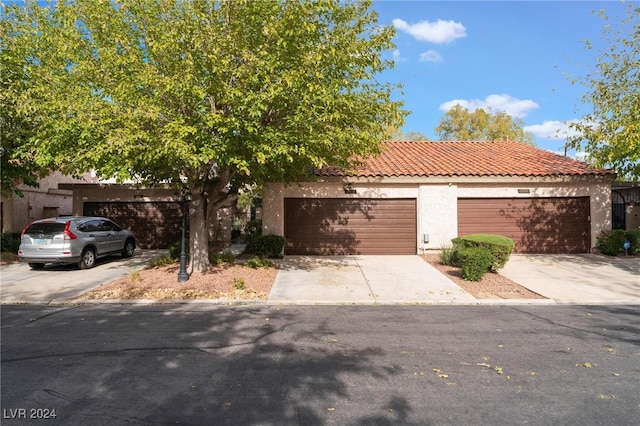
(320, 365)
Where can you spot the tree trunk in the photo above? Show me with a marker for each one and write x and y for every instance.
(198, 233)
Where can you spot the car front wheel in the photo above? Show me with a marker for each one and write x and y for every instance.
(129, 248)
(88, 259)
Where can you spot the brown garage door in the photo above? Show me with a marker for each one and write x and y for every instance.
(350, 226)
(537, 225)
(155, 224)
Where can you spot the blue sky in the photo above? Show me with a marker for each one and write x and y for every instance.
(512, 56)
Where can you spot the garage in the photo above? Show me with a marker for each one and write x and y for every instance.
(339, 226)
(537, 225)
(155, 224)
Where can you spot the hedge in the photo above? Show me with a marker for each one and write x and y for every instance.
(266, 245)
(611, 242)
(10, 242)
(476, 262)
(500, 247)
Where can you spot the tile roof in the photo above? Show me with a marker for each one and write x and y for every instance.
(440, 158)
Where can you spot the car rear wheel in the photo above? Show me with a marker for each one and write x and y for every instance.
(36, 265)
(88, 259)
(129, 248)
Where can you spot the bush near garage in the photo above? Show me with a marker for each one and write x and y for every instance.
(611, 242)
(500, 247)
(10, 242)
(176, 248)
(252, 229)
(271, 246)
(475, 262)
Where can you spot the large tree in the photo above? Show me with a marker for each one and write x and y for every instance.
(206, 95)
(610, 135)
(461, 124)
(17, 165)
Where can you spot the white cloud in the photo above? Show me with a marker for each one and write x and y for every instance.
(430, 56)
(553, 129)
(512, 106)
(438, 32)
(397, 56)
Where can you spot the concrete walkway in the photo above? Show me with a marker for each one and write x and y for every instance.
(577, 278)
(363, 280)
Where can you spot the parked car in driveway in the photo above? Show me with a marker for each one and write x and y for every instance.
(73, 239)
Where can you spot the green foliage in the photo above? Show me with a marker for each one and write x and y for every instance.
(461, 124)
(176, 248)
(611, 242)
(271, 246)
(252, 229)
(159, 261)
(448, 255)
(222, 258)
(10, 242)
(239, 284)
(206, 94)
(396, 134)
(500, 247)
(475, 262)
(610, 135)
(258, 262)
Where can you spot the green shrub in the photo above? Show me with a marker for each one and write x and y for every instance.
(160, 261)
(258, 262)
(239, 283)
(221, 258)
(476, 262)
(611, 242)
(448, 255)
(634, 239)
(271, 246)
(9, 242)
(176, 248)
(252, 229)
(499, 246)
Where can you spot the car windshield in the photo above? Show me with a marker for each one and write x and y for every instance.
(46, 228)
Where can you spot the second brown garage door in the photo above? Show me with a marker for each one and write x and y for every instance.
(338, 226)
(537, 225)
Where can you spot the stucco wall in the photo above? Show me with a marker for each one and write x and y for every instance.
(436, 200)
(37, 203)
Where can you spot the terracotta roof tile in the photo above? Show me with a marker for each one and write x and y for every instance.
(431, 158)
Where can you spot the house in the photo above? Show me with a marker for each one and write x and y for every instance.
(417, 196)
(47, 200)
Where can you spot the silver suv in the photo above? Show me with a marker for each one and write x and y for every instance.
(74, 239)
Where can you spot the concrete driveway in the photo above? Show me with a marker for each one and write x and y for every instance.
(57, 283)
(577, 278)
(363, 279)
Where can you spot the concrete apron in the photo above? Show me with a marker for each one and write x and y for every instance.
(577, 278)
(363, 280)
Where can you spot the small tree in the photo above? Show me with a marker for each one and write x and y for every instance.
(610, 135)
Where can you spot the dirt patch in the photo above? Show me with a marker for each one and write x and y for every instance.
(219, 282)
(492, 286)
